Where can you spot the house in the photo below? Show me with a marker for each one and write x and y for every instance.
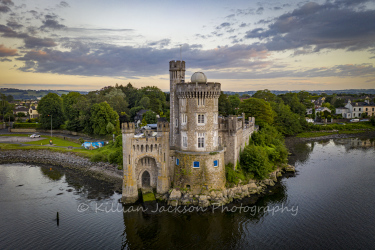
(139, 116)
(320, 109)
(356, 109)
(20, 109)
(33, 112)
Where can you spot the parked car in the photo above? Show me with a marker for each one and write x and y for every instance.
(341, 123)
(354, 120)
(365, 120)
(34, 136)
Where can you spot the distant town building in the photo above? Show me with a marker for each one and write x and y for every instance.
(356, 109)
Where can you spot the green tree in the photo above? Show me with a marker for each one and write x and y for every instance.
(287, 122)
(51, 105)
(292, 100)
(265, 95)
(144, 102)
(255, 160)
(225, 106)
(258, 108)
(102, 114)
(150, 117)
(117, 100)
(72, 110)
(234, 103)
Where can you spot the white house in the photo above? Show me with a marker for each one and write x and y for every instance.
(355, 109)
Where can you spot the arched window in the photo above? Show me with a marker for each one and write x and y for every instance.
(142, 148)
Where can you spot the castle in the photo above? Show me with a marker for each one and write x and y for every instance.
(190, 151)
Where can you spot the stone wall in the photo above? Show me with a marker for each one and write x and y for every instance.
(206, 176)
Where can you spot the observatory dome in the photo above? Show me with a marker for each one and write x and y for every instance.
(198, 77)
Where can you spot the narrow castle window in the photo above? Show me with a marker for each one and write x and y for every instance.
(177, 162)
(196, 164)
(216, 163)
(184, 141)
(201, 119)
(200, 140)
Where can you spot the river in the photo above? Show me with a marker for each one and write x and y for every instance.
(329, 203)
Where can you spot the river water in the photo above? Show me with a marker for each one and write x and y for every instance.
(329, 204)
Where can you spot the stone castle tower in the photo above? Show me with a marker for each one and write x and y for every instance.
(198, 158)
(191, 151)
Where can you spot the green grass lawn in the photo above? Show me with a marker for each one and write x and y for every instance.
(319, 134)
(56, 141)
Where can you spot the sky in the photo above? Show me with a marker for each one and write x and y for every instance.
(244, 45)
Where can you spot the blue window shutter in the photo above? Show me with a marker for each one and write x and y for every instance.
(177, 162)
(196, 164)
(215, 163)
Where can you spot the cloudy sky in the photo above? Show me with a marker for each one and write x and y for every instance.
(245, 45)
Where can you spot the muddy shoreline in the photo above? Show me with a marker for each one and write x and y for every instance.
(99, 170)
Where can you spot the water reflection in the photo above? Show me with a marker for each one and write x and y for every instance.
(82, 182)
(220, 229)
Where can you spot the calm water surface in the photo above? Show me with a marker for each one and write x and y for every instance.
(328, 204)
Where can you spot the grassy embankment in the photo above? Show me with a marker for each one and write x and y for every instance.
(111, 153)
(332, 129)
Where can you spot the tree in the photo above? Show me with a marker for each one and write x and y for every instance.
(117, 100)
(258, 108)
(72, 110)
(144, 102)
(265, 95)
(234, 103)
(101, 115)
(224, 104)
(255, 159)
(287, 122)
(150, 117)
(313, 114)
(51, 105)
(295, 105)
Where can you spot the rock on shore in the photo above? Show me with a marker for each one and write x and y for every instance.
(218, 198)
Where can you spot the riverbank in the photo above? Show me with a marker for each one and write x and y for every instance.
(98, 170)
(332, 135)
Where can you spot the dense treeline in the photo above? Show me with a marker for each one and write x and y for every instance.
(100, 112)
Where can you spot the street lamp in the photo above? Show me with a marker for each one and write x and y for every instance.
(51, 125)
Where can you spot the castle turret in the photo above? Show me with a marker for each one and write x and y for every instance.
(129, 186)
(177, 75)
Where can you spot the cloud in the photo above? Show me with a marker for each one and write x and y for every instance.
(161, 43)
(326, 26)
(7, 2)
(63, 4)
(51, 24)
(35, 42)
(5, 60)
(14, 25)
(223, 25)
(126, 61)
(4, 9)
(4, 51)
(260, 10)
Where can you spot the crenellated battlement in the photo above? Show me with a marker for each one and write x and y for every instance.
(176, 65)
(128, 127)
(163, 126)
(201, 90)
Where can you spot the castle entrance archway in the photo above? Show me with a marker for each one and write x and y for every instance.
(147, 172)
(146, 180)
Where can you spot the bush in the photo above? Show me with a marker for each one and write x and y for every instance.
(116, 157)
(25, 125)
(255, 160)
(233, 176)
(99, 157)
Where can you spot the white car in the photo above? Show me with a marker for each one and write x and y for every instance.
(34, 136)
